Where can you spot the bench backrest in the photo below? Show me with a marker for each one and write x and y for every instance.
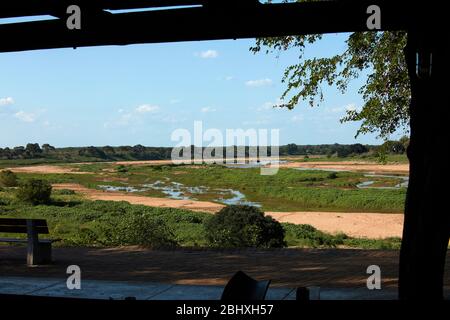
(9, 225)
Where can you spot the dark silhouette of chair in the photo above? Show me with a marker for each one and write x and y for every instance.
(242, 287)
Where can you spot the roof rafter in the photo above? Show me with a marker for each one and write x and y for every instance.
(211, 20)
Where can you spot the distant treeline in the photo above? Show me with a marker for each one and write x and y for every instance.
(139, 152)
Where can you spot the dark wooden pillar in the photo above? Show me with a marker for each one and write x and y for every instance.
(427, 211)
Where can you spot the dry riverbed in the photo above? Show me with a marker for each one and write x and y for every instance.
(368, 225)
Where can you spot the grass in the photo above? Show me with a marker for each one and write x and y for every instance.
(80, 222)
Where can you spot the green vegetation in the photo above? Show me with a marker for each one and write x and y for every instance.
(32, 153)
(288, 190)
(79, 222)
(8, 179)
(143, 230)
(34, 191)
(243, 226)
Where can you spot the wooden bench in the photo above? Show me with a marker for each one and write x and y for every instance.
(39, 251)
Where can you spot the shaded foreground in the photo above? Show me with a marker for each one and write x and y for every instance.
(286, 267)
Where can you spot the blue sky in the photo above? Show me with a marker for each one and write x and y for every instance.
(140, 94)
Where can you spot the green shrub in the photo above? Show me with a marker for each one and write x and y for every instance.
(305, 235)
(64, 192)
(122, 169)
(142, 230)
(243, 226)
(8, 179)
(34, 191)
(332, 175)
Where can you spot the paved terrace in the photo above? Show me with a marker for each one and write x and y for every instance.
(200, 274)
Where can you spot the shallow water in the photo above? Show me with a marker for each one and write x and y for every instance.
(178, 191)
(366, 184)
(237, 199)
(252, 164)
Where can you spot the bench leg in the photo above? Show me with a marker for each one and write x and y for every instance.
(40, 253)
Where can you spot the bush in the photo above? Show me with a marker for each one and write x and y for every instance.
(64, 192)
(243, 226)
(142, 230)
(332, 175)
(35, 191)
(305, 235)
(122, 169)
(8, 179)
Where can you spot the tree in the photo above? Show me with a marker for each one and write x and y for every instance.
(46, 148)
(33, 150)
(386, 92)
(406, 86)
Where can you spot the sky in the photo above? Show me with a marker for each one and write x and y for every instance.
(140, 94)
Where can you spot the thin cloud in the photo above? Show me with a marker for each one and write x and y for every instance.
(6, 101)
(297, 118)
(348, 107)
(270, 105)
(352, 107)
(208, 109)
(259, 83)
(147, 108)
(208, 54)
(25, 116)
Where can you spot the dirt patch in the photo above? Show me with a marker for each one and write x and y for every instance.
(400, 168)
(93, 194)
(360, 225)
(369, 225)
(46, 169)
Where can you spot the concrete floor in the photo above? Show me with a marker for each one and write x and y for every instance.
(118, 290)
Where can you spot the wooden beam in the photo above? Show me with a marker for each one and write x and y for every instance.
(209, 22)
(22, 8)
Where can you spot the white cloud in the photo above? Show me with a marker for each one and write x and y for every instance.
(259, 83)
(351, 107)
(147, 108)
(132, 116)
(208, 109)
(335, 110)
(173, 119)
(270, 105)
(6, 101)
(208, 54)
(348, 107)
(229, 78)
(25, 116)
(297, 118)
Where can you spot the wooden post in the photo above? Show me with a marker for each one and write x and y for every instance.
(427, 219)
(33, 243)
